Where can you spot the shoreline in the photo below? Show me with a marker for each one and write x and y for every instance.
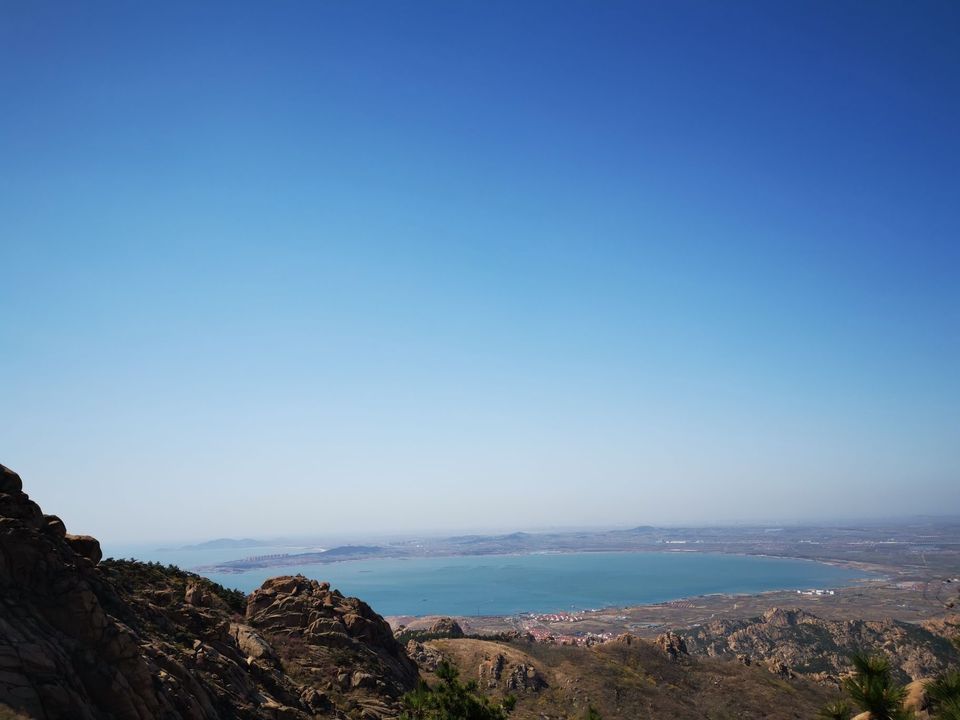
(837, 562)
(701, 598)
(874, 574)
(903, 601)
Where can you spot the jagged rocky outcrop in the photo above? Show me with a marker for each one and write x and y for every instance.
(946, 626)
(446, 627)
(510, 676)
(671, 645)
(82, 639)
(333, 641)
(795, 641)
(424, 629)
(426, 657)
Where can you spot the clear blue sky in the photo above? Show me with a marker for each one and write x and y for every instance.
(294, 267)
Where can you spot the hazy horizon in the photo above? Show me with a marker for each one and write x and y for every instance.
(296, 540)
(346, 268)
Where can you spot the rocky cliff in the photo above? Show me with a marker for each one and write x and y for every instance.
(90, 640)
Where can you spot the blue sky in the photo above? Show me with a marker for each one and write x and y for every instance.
(314, 267)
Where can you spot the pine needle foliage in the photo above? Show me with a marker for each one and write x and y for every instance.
(839, 710)
(944, 696)
(452, 700)
(872, 689)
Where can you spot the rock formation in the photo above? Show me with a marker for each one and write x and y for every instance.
(499, 672)
(671, 645)
(429, 628)
(446, 627)
(82, 639)
(795, 641)
(426, 657)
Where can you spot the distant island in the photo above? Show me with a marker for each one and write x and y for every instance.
(335, 554)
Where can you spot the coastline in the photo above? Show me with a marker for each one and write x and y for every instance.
(292, 561)
(565, 582)
(886, 599)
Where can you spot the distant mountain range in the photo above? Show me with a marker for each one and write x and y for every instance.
(336, 554)
(919, 547)
(227, 544)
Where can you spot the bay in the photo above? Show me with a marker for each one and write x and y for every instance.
(513, 584)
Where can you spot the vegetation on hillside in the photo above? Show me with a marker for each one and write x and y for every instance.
(133, 575)
(452, 700)
(872, 690)
(944, 695)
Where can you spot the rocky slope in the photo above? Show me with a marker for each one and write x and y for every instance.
(91, 639)
(631, 677)
(797, 642)
(626, 678)
(86, 640)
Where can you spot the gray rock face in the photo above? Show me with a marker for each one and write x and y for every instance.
(252, 644)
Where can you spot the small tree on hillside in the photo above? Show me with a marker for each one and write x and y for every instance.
(839, 710)
(944, 696)
(872, 688)
(452, 700)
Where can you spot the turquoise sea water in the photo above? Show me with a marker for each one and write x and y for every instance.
(511, 584)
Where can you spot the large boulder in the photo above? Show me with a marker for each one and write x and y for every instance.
(85, 546)
(55, 525)
(252, 644)
(446, 627)
(917, 699)
(9, 480)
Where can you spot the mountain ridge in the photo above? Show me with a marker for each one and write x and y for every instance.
(83, 638)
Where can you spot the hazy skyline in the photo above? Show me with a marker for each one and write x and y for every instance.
(345, 267)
